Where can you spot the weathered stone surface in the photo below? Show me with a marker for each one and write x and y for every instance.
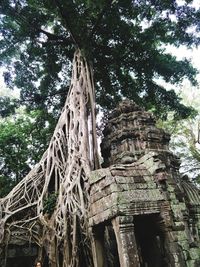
(142, 182)
(128, 135)
(153, 215)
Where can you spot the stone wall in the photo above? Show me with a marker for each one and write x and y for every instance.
(141, 193)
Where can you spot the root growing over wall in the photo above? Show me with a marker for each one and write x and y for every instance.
(49, 206)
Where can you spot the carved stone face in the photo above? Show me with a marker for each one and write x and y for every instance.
(160, 168)
(159, 163)
(161, 176)
(156, 165)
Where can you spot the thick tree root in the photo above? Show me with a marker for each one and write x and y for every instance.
(49, 206)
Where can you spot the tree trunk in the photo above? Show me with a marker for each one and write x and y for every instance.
(51, 202)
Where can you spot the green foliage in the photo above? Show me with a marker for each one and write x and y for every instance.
(50, 203)
(124, 40)
(7, 106)
(22, 142)
(6, 185)
(184, 141)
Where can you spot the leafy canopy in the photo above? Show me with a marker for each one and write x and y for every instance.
(185, 141)
(123, 39)
(22, 142)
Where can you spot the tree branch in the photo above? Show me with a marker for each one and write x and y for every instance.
(67, 23)
(19, 18)
(100, 16)
(54, 37)
(41, 98)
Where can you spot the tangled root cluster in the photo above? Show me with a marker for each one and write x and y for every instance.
(49, 206)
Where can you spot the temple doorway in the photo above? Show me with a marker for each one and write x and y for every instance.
(20, 261)
(150, 241)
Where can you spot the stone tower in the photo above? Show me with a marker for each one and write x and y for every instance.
(142, 212)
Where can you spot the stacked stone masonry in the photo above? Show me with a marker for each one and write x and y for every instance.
(142, 212)
(140, 205)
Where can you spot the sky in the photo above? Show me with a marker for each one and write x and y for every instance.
(5, 91)
(180, 53)
(193, 54)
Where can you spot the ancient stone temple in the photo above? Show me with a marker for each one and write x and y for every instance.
(142, 212)
(19, 252)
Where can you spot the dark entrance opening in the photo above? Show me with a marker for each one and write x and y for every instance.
(20, 255)
(20, 261)
(105, 245)
(150, 240)
(111, 247)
